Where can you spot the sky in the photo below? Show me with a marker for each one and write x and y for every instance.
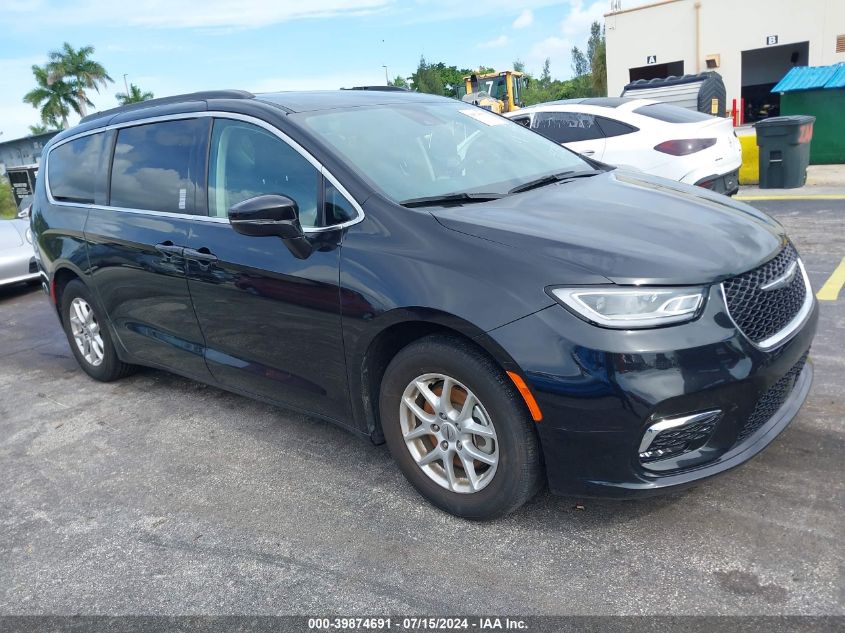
(176, 46)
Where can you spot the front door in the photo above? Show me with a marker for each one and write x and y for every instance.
(135, 242)
(271, 321)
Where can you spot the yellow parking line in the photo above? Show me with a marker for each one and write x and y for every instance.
(808, 196)
(830, 290)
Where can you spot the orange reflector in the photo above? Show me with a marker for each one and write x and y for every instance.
(533, 407)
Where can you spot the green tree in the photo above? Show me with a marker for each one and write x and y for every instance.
(597, 50)
(399, 82)
(590, 69)
(440, 79)
(55, 99)
(77, 69)
(580, 63)
(133, 96)
(519, 66)
(427, 78)
(40, 128)
(453, 79)
(7, 199)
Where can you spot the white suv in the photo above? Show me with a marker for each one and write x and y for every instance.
(654, 137)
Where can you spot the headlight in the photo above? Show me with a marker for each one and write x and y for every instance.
(628, 308)
(28, 235)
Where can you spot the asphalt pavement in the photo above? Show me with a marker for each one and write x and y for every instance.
(157, 495)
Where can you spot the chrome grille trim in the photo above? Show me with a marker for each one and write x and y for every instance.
(791, 328)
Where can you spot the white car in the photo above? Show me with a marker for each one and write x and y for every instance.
(17, 255)
(657, 138)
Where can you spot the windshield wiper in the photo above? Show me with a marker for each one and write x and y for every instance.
(451, 198)
(542, 181)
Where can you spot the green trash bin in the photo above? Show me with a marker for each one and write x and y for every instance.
(784, 143)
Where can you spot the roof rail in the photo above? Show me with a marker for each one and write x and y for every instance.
(191, 96)
(379, 88)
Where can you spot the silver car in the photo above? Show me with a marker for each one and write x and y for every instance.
(17, 257)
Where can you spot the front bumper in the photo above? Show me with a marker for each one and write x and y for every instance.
(600, 390)
(18, 266)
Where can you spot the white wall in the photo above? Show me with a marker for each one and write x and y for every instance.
(727, 28)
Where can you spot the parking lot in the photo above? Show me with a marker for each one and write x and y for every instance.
(158, 495)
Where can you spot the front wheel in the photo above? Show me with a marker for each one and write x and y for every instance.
(458, 429)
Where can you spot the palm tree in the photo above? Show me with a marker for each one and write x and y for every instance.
(41, 128)
(55, 98)
(82, 73)
(133, 96)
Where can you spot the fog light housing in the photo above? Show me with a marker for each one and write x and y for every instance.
(672, 437)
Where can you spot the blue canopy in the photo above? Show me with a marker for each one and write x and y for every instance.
(812, 78)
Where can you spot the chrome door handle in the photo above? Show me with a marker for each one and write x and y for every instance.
(201, 255)
(169, 248)
(588, 152)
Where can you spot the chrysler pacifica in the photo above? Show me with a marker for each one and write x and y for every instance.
(499, 310)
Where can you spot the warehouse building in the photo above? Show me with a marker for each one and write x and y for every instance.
(752, 44)
(23, 151)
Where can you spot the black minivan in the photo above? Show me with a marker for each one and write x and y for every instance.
(498, 309)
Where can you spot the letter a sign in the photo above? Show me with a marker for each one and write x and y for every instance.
(651, 59)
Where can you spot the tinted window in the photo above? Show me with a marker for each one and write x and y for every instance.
(73, 168)
(567, 127)
(247, 161)
(671, 114)
(605, 102)
(610, 127)
(524, 121)
(155, 166)
(338, 208)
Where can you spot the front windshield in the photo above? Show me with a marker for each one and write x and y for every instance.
(433, 149)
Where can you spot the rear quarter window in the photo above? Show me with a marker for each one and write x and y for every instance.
(611, 127)
(72, 169)
(567, 127)
(671, 114)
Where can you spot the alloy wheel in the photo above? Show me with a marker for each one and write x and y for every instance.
(449, 433)
(86, 332)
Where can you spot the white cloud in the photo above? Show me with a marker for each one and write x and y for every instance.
(526, 18)
(499, 42)
(191, 14)
(557, 50)
(575, 29)
(581, 16)
(318, 82)
(15, 115)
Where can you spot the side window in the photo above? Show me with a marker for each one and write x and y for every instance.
(247, 161)
(156, 166)
(524, 121)
(611, 127)
(338, 208)
(73, 167)
(567, 127)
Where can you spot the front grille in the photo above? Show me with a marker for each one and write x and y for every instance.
(771, 401)
(33, 266)
(683, 439)
(761, 314)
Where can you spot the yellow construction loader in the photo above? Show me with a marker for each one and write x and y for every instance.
(497, 91)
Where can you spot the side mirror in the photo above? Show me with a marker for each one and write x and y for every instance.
(271, 215)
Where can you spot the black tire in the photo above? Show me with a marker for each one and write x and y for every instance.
(111, 368)
(519, 473)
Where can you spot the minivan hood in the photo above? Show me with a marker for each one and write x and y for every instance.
(629, 227)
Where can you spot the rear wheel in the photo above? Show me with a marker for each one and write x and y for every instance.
(458, 429)
(89, 336)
